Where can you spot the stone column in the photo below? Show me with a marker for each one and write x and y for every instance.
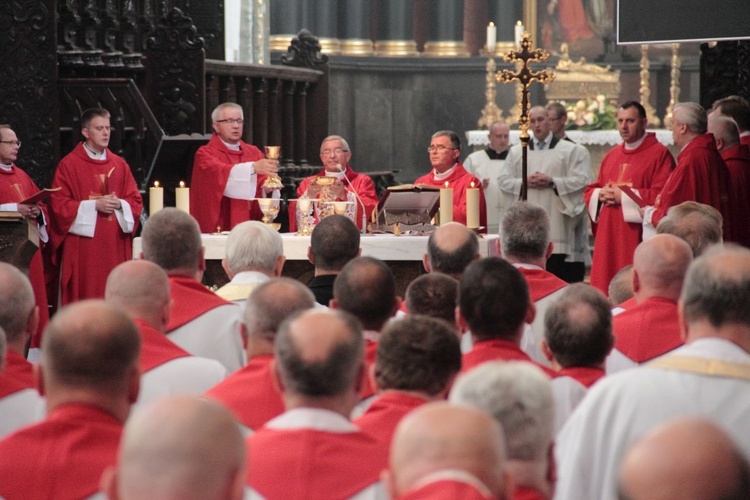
(287, 18)
(445, 29)
(325, 27)
(355, 28)
(395, 29)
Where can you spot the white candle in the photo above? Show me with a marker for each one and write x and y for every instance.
(182, 197)
(472, 207)
(155, 198)
(446, 204)
(491, 38)
(519, 34)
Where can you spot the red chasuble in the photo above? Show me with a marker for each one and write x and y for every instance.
(371, 355)
(362, 184)
(191, 299)
(156, 348)
(737, 159)
(647, 330)
(459, 181)
(211, 168)
(17, 368)
(586, 375)
(446, 489)
(16, 186)
(386, 411)
(645, 169)
(497, 350)
(524, 493)
(9, 385)
(250, 393)
(700, 175)
(86, 262)
(62, 457)
(541, 282)
(313, 464)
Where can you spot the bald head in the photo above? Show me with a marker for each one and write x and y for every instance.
(199, 455)
(659, 267)
(17, 305)
(440, 436)
(450, 248)
(272, 302)
(140, 288)
(698, 224)
(320, 355)
(689, 459)
(92, 346)
(725, 132)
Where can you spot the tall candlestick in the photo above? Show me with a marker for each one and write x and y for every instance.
(446, 204)
(472, 207)
(182, 197)
(491, 38)
(155, 198)
(518, 32)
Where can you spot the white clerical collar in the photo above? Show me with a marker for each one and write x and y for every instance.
(444, 175)
(457, 475)
(547, 140)
(249, 278)
(525, 266)
(743, 134)
(233, 147)
(636, 144)
(7, 168)
(312, 418)
(93, 154)
(339, 175)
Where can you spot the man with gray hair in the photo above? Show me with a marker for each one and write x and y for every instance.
(706, 377)
(698, 224)
(250, 393)
(737, 158)
(524, 242)
(254, 254)
(312, 450)
(700, 175)
(227, 174)
(199, 455)
(201, 322)
(519, 397)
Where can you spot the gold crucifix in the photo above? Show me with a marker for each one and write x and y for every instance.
(525, 76)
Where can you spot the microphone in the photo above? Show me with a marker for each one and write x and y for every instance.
(356, 195)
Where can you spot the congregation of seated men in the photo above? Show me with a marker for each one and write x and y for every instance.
(531, 371)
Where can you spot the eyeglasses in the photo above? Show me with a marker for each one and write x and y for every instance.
(232, 121)
(439, 148)
(336, 151)
(12, 143)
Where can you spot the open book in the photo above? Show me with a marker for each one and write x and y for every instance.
(41, 195)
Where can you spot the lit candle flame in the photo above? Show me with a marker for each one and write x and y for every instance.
(446, 183)
(182, 184)
(156, 184)
(472, 184)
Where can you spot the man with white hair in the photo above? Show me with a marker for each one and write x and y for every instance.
(254, 254)
(199, 455)
(201, 322)
(707, 377)
(227, 174)
(651, 327)
(519, 397)
(700, 175)
(445, 451)
(141, 289)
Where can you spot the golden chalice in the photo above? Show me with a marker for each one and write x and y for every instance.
(272, 182)
(305, 206)
(270, 209)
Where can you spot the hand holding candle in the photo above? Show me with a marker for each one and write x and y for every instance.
(182, 197)
(155, 198)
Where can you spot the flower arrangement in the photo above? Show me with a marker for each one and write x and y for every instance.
(591, 114)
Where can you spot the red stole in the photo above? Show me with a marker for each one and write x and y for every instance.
(250, 393)
(156, 348)
(647, 330)
(498, 350)
(313, 464)
(385, 412)
(191, 299)
(17, 368)
(586, 375)
(541, 283)
(62, 457)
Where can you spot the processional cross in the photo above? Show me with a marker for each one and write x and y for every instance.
(525, 76)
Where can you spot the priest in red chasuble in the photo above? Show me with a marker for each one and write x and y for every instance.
(447, 171)
(642, 164)
(95, 213)
(337, 182)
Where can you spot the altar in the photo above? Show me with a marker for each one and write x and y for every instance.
(402, 253)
